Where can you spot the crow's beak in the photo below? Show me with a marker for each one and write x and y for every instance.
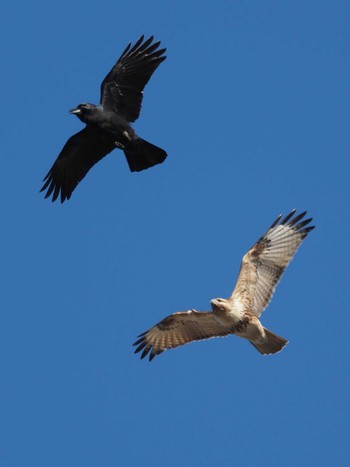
(75, 111)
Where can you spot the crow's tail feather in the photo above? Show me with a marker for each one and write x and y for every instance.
(141, 155)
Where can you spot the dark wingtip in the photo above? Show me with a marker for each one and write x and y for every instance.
(151, 356)
(145, 347)
(138, 341)
(293, 222)
(55, 191)
(275, 222)
(146, 351)
(296, 219)
(297, 224)
(142, 344)
(308, 229)
(302, 224)
(288, 216)
(139, 41)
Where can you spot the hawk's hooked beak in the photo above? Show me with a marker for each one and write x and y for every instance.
(75, 111)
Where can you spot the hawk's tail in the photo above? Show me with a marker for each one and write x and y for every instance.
(272, 343)
(141, 155)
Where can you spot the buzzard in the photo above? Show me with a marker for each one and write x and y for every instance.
(261, 269)
(108, 124)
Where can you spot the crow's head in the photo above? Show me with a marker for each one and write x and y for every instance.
(84, 112)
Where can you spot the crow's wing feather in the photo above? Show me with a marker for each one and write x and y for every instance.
(122, 88)
(79, 154)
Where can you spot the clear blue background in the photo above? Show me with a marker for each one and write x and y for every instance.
(252, 106)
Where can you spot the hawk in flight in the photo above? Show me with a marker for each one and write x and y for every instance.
(261, 270)
(108, 124)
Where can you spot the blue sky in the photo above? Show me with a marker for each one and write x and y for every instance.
(252, 106)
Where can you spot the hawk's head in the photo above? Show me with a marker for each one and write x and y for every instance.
(220, 304)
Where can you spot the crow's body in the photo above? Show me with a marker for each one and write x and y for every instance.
(108, 124)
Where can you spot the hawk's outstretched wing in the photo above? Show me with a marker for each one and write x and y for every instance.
(122, 88)
(264, 264)
(78, 155)
(180, 329)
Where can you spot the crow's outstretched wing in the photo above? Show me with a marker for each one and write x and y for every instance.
(122, 88)
(264, 264)
(78, 155)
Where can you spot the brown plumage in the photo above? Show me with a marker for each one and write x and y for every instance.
(261, 269)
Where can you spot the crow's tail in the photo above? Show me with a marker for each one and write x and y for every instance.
(141, 155)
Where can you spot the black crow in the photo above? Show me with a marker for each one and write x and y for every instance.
(108, 124)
